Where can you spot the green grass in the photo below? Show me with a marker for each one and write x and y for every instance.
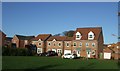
(35, 62)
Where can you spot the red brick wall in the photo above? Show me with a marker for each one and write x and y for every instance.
(16, 41)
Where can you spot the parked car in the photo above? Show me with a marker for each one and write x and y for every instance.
(51, 53)
(70, 56)
(43, 54)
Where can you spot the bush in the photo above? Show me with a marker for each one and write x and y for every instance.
(6, 51)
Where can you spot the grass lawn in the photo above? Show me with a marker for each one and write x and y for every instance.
(36, 62)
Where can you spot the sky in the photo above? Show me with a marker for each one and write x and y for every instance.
(33, 18)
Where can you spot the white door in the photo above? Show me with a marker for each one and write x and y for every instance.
(78, 53)
(67, 51)
(39, 50)
(88, 54)
(54, 50)
(107, 55)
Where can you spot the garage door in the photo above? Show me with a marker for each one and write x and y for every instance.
(67, 51)
(54, 50)
(107, 55)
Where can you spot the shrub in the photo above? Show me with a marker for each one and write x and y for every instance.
(6, 51)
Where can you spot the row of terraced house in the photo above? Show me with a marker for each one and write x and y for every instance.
(86, 42)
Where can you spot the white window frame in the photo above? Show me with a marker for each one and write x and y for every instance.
(78, 34)
(49, 43)
(60, 44)
(68, 44)
(89, 34)
(75, 43)
(93, 44)
(87, 45)
(39, 43)
(80, 44)
(59, 50)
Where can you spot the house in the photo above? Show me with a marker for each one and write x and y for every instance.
(2, 38)
(112, 51)
(40, 42)
(88, 42)
(8, 41)
(21, 41)
(107, 52)
(118, 46)
(68, 45)
(56, 43)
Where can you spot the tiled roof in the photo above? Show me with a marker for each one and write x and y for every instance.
(24, 37)
(43, 37)
(60, 38)
(84, 32)
(8, 38)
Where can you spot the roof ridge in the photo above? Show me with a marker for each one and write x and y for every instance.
(88, 27)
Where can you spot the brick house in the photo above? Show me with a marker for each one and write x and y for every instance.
(88, 42)
(2, 38)
(40, 42)
(21, 41)
(68, 45)
(56, 43)
(8, 41)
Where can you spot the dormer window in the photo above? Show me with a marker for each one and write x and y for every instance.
(78, 36)
(91, 35)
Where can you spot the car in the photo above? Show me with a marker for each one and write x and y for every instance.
(51, 53)
(69, 56)
(43, 54)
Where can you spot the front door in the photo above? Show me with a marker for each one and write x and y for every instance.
(78, 53)
(88, 53)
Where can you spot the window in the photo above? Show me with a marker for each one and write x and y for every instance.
(49, 43)
(91, 35)
(54, 44)
(59, 44)
(59, 51)
(93, 44)
(87, 44)
(74, 44)
(80, 44)
(78, 36)
(40, 44)
(67, 44)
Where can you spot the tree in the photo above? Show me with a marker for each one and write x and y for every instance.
(57, 34)
(68, 33)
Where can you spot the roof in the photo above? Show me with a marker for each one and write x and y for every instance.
(43, 37)
(60, 38)
(24, 37)
(2, 33)
(68, 38)
(84, 32)
(9, 38)
(118, 43)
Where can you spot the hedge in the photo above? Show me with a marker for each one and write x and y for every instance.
(6, 51)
